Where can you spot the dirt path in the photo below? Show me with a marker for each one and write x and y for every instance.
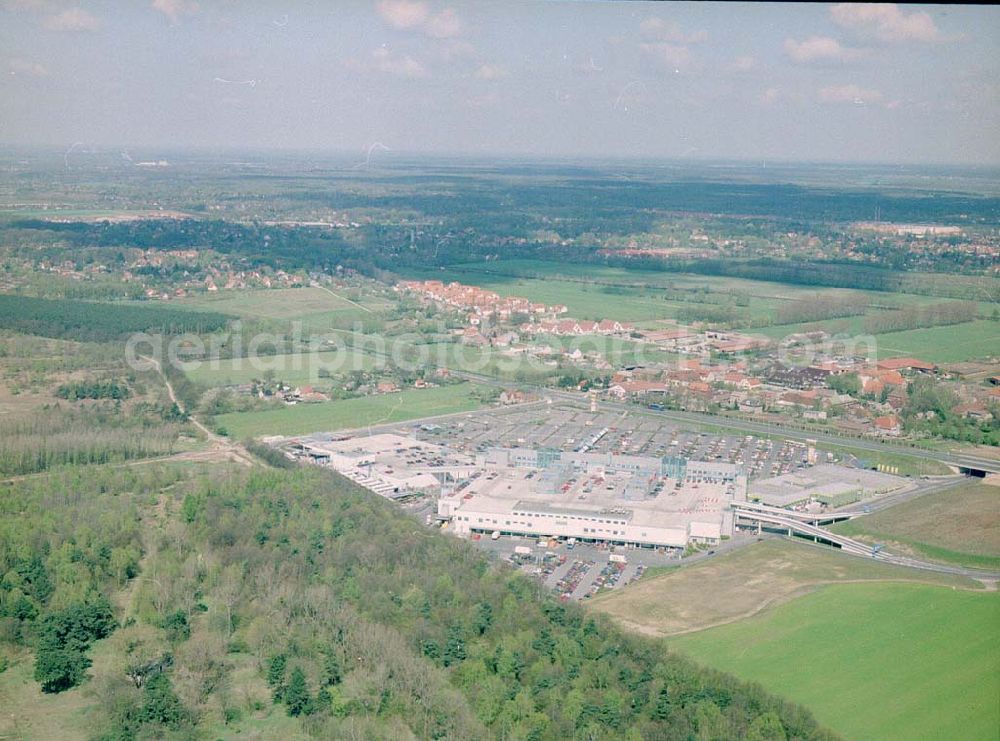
(220, 445)
(342, 298)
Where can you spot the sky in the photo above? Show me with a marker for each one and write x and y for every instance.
(812, 82)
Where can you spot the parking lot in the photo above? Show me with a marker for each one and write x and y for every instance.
(580, 571)
(568, 428)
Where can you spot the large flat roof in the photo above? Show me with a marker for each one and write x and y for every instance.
(825, 479)
(618, 513)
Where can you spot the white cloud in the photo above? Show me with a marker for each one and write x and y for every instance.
(849, 94)
(73, 19)
(451, 50)
(770, 96)
(25, 67)
(483, 101)
(819, 49)
(15, 6)
(657, 29)
(885, 21)
(403, 13)
(415, 15)
(490, 72)
(398, 65)
(174, 9)
(444, 25)
(669, 55)
(744, 64)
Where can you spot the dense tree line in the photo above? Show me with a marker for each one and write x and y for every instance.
(580, 194)
(712, 314)
(92, 436)
(270, 455)
(916, 317)
(346, 612)
(812, 273)
(88, 321)
(796, 272)
(289, 248)
(817, 308)
(93, 390)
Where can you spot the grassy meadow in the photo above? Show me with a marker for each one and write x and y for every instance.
(294, 369)
(597, 292)
(351, 413)
(959, 526)
(317, 308)
(894, 662)
(732, 586)
(953, 344)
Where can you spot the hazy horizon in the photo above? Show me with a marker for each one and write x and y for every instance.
(657, 82)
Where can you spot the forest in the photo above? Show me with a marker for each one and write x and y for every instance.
(101, 433)
(219, 598)
(418, 217)
(97, 322)
(954, 312)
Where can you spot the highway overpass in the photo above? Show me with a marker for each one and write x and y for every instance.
(792, 522)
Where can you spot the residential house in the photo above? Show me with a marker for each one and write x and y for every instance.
(888, 425)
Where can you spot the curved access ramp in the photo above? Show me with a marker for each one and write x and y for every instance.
(794, 523)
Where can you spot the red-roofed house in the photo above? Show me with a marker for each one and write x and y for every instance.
(637, 388)
(873, 386)
(897, 364)
(891, 378)
(888, 425)
(975, 410)
(567, 326)
(610, 326)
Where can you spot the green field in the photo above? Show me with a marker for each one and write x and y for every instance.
(511, 270)
(597, 292)
(960, 525)
(735, 585)
(293, 369)
(317, 308)
(62, 213)
(351, 413)
(586, 300)
(873, 661)
(906, 465)
(948, 344)
(952, 344)
(29, 713)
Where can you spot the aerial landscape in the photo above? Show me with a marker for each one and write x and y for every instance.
(534, 371)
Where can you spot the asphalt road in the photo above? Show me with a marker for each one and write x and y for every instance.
(928, 486)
